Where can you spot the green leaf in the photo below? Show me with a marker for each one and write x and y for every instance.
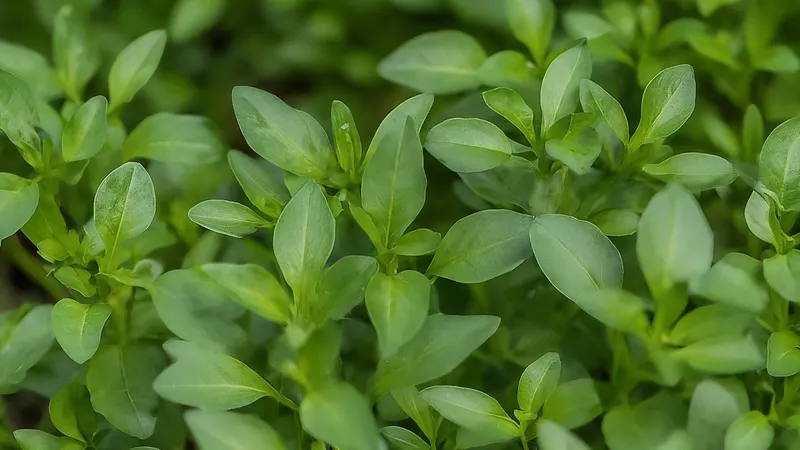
(595, 99)
(190, 18)
(507, 185)
(75, 53)
(85, 132)
(227, 217)
(261, 182)
(120, 382)
(509, 104)
(579, 148)
(715, 405)
(538, 382)
(674, 241)
(63, 410)
(468, 145)
(734, 281)
(416, 108)
(696, 171)
(254, 288)
(532, 22)
(211, 380)
(39, 440)
(24, 344)
(397, 306)
(441, 344)
(647, 424)
(439, 62)
(561, 84)
(473, 410)
(575, 255)
(783, 354)
(342, 286)
(18, 200)
(282, 135)
(303, 240)
(709, 322)
(617, 309)
(401, 439)
(470, 254)
(782, 273)
(751, 431)
(779, 164)
(18, 117)
(77, 327)
(124, 206)
(508, 68)
(134, 66)
(419, 242)
(616, 222)
(177, 138)
(573, 404)
(723, 355)
(757, 214)
(778, 59)
(553, 436)
(76, 279)
(339, 415)
(667, 103)
(752, 131)
(346, 138)
(412, 403)
(30, 66)
(231, 431)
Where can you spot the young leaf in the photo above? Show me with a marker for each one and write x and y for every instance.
(231, 431)
(782, 273)
(261, 182)
(76, 279)
(120, 382)
(85, 133)
(751, 431)
(24, 343)
(75, 54)
(783, 354)
(441, 344)
(417, 243)
(667, 103)
(553, 436)
(394, 183)
(18, 201)
(538, 382)
(723, 355)
(134, 66)
(402, 439)
(561, 84)
(595, 99)
(470, 254)
(472, 409)
(342, 286)
(779, 164)
(303, 239)
(575, 255)
(440, 62)
(509, 104)
(696, 171)
(175, 138)
(573, 403)
(532, 22)
(39, 440)
(397, 306)
(77, 327)
(254, 288)
(339, 414)
(346, 138)
(124, 206)
(227, 217)
(211, 380)
(733, 280)
(468, 145)
(416, 108)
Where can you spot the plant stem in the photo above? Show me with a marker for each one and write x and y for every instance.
(32, 267)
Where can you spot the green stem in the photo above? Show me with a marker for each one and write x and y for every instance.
(32, 267)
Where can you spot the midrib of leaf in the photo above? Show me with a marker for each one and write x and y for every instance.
(478, 412)
(477, 147)
(673, 218)
(461, 257)
(566, 85)
(84, 321)
(304, 242)
(434, 69)
(265, 190)
(127, 389)
(234, 220)
(573, 255)
(670, 98)
(393, 190)
(786, 165)
(113, 249)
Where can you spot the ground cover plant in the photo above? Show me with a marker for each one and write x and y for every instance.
(587, 240)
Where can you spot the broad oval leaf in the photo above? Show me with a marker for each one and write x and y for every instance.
(26, 341)
(473, 410)
(561, 84)
(483, 246)
(397, 306)
(227, 217)
(254, 288)
(782, 273)
(18, 116)
(723, 355)
(734, 281)
(216, 430)
(708, 322)
(340, 415)
(416, 108)
(695, 171)
(616, 308)
(715, 405)
(667, 103)
(538, 381)
(616, 222)
(468, 145)
(757, 215)
(419, 242)
(751, 431)
(134, 66)
(177, 138)
(85, 132)
(573, 404)
(783, 354)
(18, 201)
(75, 53)
(77, 327)
(342, 287)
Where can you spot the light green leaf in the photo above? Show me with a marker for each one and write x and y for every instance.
(723, 355)
(439, 62)
(508, 68)
(215, 430)
(595, 99)
(190, 18)
(177, 138)
(419, 242)
(752, 131)
(410, 401)
(783, 354)
(617, 309)
(77, 327)
(579, 148)
(134, 66)
(616, 222)
(346, 138)
(340, 415)
(227, 217)
(120, 382)
(473, 410)
(779, 164)
(647, 424)
(63, 409)
(734, 281)
(76, 279)
(709, 322)
(441, 344)
(575, 255)
(782, 273)
(416, 107)
(85, 132)
(532, 22)
(573, 404)
(667, 103)
(553, 436)
(18, 117)
(39, 440)
(509, 104)
(342, 286)
(715, 405)
(506, 185)
(261, 182)
(30, 66)
(254, 288)
(757, 215)
(561, 84)
(538, 382)
(24, 344)
(778, 59)
(18, 201)
(751, 431)
(468, 145)
(75, 53)
(695, 171)
(124, 207)
(470, 254)
(303, 240)
(397, 306)
(401, 439)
